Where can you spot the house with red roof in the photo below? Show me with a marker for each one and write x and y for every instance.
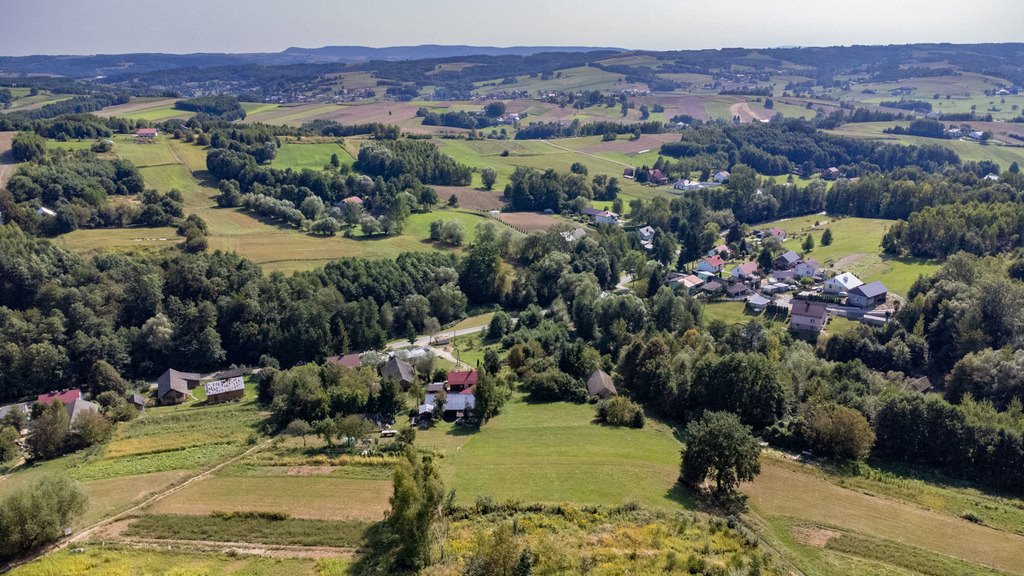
(66, 396)
(714, 264)
(348, 360)
(745, 271)
(459, 381)
(146, 133)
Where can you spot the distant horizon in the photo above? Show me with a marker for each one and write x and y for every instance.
(105, 27)
(566, 47)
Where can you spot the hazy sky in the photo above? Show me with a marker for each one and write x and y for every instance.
(117, 26)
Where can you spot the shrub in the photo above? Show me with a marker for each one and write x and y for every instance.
(619, 411)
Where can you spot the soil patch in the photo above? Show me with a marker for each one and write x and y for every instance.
(814, 535)
(309, 470)
(529, 221)
(472, 199)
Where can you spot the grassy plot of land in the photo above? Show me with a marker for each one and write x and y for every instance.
(786, 494)
(967, 150)
(255, 528)
(300, 155)
(112, 561)
(554, 452)
(314, 497)
(856, 247)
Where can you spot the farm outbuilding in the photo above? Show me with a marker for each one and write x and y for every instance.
(600, 384)
(867, 295)
(218, 391)
(398, 370)
(172, 387)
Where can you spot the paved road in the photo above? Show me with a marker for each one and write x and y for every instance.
(424, 341)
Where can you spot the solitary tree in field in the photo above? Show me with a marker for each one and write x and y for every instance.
(299, 427)
(826, 237)
(721, 448)
(489, 177)
(808, 244)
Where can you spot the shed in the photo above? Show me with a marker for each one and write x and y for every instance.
(348, 360)
(218, 391)
(600, 384)
(867, 295)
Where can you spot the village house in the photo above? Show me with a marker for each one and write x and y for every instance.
(351, 200)
(455, 406)
(721, 249)
(574, 235)
(786, 261)
(713, 265)
(744, 271)
(77, 407)
(629, 173)
(713, 287)
(867, 295)
(348, 360)
(737, 289)
(399, 371)
(657, 177)
(138, 400)
(842, 283)
(462, 380)
(830, 173)
(148, 133)
(218, 391)
(807, 268)
(66, 396)
(808, 316)
(686, 185)
(172, 387)
(645, 234)
(607, 217)
(757, 302)
(689, 282)
(600, 384)
(777, 233)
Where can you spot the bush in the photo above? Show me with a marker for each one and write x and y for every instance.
(619, 411)
(838, 431)
(34, 516)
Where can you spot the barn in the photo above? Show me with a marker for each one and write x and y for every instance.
(218, 391)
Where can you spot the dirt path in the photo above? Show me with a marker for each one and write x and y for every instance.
(746, 114)
(6, 160)
(247, 548)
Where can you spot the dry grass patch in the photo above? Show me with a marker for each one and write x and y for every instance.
(788, 491)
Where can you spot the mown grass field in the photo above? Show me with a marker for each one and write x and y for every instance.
(856, 247)
(968, 151)
(554, 452)
(114, 561)
(312, 156)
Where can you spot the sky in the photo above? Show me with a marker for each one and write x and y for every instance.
(183, 26)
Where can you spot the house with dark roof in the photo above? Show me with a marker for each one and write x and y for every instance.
(600, 384)
(867, 295)
(172, 387)
(807, 316)
(138, 400)
(658, 178)
(737, 289)
(462, 380)
(830, 173)
(786, 261)
(399, 371)
(629, 173)
(713, 287)
(348, 360)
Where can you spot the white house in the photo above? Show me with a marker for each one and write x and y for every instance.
(807, 268)
(607, 217)
(842, 283)
(713, 265)
(646, 234)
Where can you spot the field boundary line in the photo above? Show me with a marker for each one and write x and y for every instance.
(595, 156)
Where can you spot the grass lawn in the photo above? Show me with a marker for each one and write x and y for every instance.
(729, 312)
(112, 561)
(313, 497)
(242, 528)
(554, 452)
(299, 155)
